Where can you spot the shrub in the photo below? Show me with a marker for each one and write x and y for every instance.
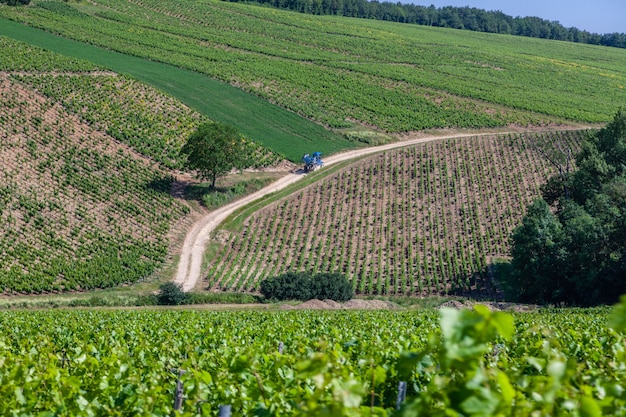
(14, 2)
(171, 294)
(333, 286)
(306, 286)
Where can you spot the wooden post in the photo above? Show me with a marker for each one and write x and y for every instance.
(401, 394)
(179, 393)
(225, 411)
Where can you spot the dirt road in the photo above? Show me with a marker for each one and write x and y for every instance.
(190, 264)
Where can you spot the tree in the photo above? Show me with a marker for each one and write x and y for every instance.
(333, 286)
(575, 252)
(15, 2)
(537, 253)
(214, 149)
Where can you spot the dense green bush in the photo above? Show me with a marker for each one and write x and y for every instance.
(306, 286)
(171, 294)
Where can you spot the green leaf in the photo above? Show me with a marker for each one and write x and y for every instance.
(377, 374)
(480, 406)
(589, 408)
(313, 366)
(505, 325)
(556, 369)
(407, 361)
(205, 377)
(507, 390)
(373, 411)
(240, 364)
(449, 321)
(482, 310)
(617, 319)
(19, 395)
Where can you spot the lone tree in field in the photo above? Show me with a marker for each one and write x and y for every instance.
(214, 149)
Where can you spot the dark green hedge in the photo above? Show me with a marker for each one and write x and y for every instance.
(14, 2)
(306, 286)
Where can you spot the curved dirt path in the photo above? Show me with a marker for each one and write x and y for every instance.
(192, 253)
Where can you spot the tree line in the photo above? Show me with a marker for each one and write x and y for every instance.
(571, 246)
(468, 18)
(14, 2)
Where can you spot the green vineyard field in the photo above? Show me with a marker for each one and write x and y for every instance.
(94, 195)
(282, 130)
(417, 221)
(336, 70)
(340, 363)
(78, 208)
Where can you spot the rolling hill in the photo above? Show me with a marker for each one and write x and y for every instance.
(266, 123)
(91, 152)
(424, 220)
(338, 71)
(83, 204)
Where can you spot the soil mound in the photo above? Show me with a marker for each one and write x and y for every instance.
(356, 304)
(510, 307)
(454, 304)
(333, 304)
(313, 305)
(493, 306)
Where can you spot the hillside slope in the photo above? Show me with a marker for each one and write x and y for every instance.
(425, 220)
(79, 208)
(338, 70)
(283, 130)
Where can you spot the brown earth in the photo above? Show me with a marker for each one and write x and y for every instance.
(493, 306)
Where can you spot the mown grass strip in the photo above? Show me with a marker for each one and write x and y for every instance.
(278, 129)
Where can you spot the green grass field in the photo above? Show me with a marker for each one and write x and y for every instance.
(278, 129)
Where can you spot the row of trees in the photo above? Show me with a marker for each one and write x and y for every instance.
(571, 247)
(14, 2)
(468, 18)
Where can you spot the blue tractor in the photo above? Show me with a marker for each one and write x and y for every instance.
(312, 161)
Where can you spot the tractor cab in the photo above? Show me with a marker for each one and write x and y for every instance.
(312, 161)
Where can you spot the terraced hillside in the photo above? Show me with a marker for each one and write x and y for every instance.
(80, 206)
(337, 70)
(417, 221)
